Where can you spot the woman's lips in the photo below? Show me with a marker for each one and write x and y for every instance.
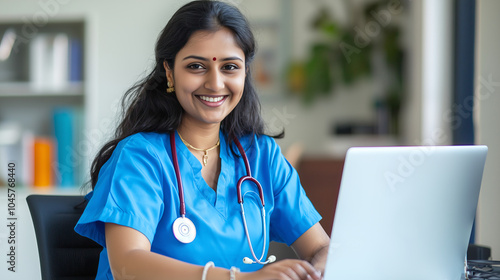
(212, 101)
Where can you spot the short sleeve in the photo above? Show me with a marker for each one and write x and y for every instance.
(293, 212)
(128, 192)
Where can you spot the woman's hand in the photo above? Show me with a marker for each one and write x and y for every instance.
(284, 270)
(312, 246)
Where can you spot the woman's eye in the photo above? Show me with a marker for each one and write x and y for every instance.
(195, 66)
(230, 67)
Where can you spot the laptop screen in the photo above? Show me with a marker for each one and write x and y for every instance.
(405, 212)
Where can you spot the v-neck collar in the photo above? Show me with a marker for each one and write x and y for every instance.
(216, 198)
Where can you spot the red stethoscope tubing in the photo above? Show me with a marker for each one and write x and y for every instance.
(247, 177)
(178, 175)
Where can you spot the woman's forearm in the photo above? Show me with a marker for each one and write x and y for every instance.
(319, 259)
(130, 257)
(141, 264)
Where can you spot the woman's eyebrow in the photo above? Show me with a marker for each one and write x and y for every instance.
(206, 59)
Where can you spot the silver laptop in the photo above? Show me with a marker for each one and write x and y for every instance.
(405, 213)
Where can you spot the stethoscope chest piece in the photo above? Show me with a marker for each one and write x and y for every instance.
(184, 230)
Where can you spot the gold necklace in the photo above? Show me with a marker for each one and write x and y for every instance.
(205, 156)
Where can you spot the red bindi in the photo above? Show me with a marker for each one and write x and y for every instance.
(214, 59)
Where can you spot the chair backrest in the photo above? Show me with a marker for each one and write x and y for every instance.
(64, 254)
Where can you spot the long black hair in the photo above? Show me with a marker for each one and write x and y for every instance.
(148, 108)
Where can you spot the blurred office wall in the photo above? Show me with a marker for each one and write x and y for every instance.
(487, 98)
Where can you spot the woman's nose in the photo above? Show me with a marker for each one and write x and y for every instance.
(214, 81)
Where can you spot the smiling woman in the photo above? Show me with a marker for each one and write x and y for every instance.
(197, 116)
(207, 90)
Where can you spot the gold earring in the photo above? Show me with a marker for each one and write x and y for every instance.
(170, 88)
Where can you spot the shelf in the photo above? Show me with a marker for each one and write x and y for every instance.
(42, 91)
(26, 89)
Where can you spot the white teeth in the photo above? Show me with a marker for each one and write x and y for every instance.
(211, 99)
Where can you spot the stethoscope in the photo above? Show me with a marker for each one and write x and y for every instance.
(185, 230)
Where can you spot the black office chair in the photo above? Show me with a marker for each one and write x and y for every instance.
(64, 254)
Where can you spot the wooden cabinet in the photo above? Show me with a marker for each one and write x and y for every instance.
(320, 178)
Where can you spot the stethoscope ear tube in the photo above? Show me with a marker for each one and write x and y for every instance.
(249, 178)
(247, 260)
(271, 259)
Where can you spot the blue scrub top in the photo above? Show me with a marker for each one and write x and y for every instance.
(137, 188)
